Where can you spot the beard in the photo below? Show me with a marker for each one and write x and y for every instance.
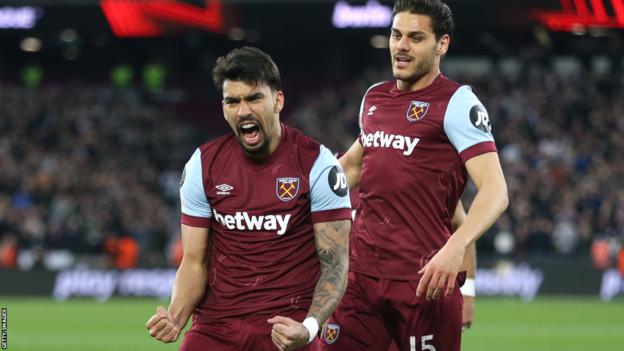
(421, 68)
(258, 151)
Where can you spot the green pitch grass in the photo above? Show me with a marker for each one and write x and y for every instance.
(548, 324)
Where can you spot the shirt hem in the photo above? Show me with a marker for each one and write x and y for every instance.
(199, 222)
(477, 149)
(331, 215)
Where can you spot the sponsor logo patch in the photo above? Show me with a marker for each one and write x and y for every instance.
(480, 119)
(338, 181)
(224, 189)
(398, 142)
(331, 333)
(286, 188)
(417, 111)
(245, 221)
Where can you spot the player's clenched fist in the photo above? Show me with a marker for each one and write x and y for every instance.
(163, 326)
(288, 334)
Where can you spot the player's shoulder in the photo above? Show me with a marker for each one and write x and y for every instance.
(465, 112)
(305, 148)
(377, 89)
(216, 145)
(449, 86)
(464, 96)
(456, 89)
(380, 87)
(303, 142)
(446, 81)
(215, 151)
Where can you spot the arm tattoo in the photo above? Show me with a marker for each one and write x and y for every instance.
(332, 247)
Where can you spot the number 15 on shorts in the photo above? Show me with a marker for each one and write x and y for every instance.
(423, 343)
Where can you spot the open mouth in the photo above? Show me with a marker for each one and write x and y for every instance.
(250, 132)
(402, 61)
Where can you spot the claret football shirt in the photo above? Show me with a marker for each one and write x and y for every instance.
(261, 216)
(413, 174)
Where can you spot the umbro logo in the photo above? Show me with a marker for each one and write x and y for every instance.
(372, 110)
(224, 189)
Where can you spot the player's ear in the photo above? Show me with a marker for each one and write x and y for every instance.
(443, 44)
(223, 109)
(279, 101)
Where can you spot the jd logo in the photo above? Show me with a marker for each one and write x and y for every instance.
(338, 181)
(480, 119)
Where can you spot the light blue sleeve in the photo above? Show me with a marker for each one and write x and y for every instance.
(328, 184)
(466, 122)
(192, 194)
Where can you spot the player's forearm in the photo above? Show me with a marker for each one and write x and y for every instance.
(470, 257)
(332, 242)
(489, 203)
(458, 217)
(351, 163)
(352, 171)
(188, 289)
(329, 290)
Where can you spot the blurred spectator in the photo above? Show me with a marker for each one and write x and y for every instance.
(175, 253)
(601, 253)
(8, 251)
(123, 251)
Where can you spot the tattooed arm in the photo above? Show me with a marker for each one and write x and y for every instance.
(332, 246)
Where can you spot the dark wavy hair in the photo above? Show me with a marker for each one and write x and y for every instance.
(439, 12)
(247, 64)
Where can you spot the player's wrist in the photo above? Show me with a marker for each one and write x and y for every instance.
(460, 239)
(469, 288)
(179, 316)
(312, 325)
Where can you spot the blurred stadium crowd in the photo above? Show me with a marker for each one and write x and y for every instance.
(91, 169)
(84, 165)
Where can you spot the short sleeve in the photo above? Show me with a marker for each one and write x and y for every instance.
(467, 125)
(196, 210)
(329, 191)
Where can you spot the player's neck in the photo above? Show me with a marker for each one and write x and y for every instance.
(420, 83)
(276, 139)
